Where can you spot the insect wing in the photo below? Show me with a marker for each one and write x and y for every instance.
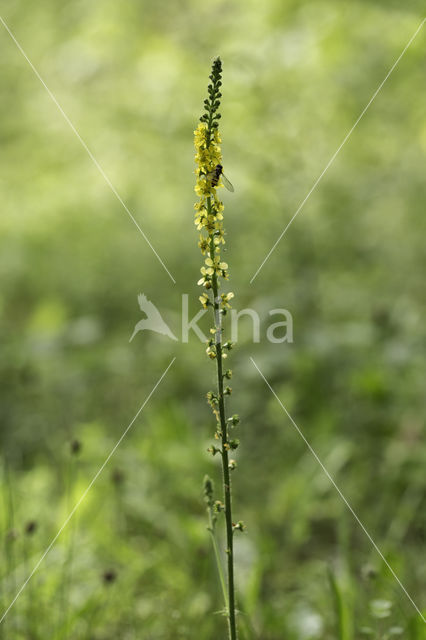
(226, 182)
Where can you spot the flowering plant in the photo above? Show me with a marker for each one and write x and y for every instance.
(209, 222)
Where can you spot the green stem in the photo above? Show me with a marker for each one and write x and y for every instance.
(225, 458)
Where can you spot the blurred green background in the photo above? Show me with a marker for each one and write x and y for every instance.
(136, 561)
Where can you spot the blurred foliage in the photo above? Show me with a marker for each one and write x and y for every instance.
(135, 561)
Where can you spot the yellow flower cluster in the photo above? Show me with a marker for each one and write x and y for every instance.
(209, 222)
(209, 209)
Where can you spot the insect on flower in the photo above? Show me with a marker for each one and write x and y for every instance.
(217, 173)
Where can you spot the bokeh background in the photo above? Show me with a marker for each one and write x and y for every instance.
(135, 561)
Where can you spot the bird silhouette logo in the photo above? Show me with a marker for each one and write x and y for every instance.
(153, 321)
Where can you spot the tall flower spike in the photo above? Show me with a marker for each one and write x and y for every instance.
(209, 223)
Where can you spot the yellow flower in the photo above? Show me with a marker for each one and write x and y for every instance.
(219, 208)
(211, 352)
(225, 298)
(215, 266)
(205, 300)
(203, 186)
(219, 237)
(201, 219)
(206, 279)
(210, 224)
(204, 244)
